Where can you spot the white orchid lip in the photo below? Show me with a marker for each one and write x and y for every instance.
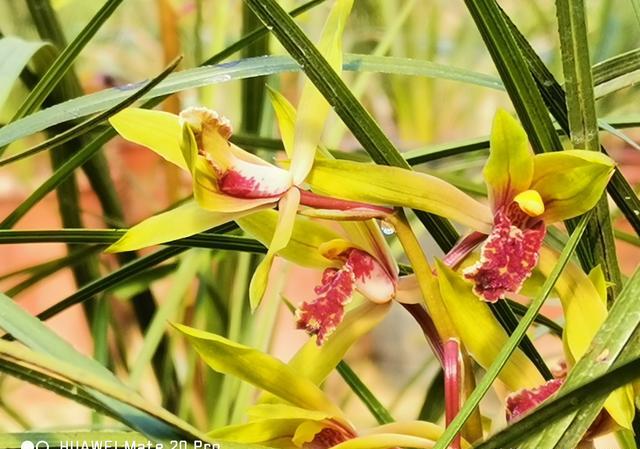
(239, 173)
(247, 180)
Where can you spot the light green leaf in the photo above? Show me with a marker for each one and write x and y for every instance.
(509, 169)
(163, 227)
(287, 211)
(469, 314)
(157, 130)
(570, 182)
(47, 346)
(384, 185)
(15, 54)
(259, 369)
(313, 108)
(235, 70)
(306, 237)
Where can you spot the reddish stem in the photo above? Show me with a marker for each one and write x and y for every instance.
(311, 199)
(462, 249)
(452, 384)
(428, 328)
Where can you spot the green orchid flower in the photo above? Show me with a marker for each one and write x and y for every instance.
(293, 412)
(462, 318)
(229, 182)
(527, 192)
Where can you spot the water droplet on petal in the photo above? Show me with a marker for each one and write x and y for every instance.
(387, 228)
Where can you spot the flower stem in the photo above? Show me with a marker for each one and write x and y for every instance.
(452, 383)
(425, 278)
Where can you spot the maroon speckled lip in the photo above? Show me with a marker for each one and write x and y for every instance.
(321, 316)
(507, 257)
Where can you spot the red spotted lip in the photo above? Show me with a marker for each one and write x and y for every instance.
(235, 184)
(507, 257)
(360, 271)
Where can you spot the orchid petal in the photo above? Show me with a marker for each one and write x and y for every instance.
(523, 401)
(321, 316)
(530, 202)
(259, 369)
(585, 310)
(408, 290)
(246, 179)
(306, 238)
(183, 221)
(507, 258)
(257, 431)
(284, 411)
(286, 118)
(370, 277)
(386, 441)
(316, 362)
(157, 130)
(368, 237)
(313, 107)
(470, 314)
(218, 166)
(509, 169)
(307, 431)
(288, 207)
(570, 182)
(383, 185)
(205, 182)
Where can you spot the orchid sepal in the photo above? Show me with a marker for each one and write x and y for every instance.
(393, 186)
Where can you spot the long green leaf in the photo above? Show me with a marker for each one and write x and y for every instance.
(517, 79)
(15, 54)
(514, 340)
(105, 237)
(67, 168)
(221, 73)
(42, 341)
(583, 124)
(64, 61)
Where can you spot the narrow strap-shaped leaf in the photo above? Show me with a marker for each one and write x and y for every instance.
(583, 123)
(64, 61)
(67, 168)
(621, 192)
(517, 79)
(15, 54)
(31, 332)
(492, 372)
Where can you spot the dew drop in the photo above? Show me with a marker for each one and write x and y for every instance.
(130, 86)
(387, 228)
